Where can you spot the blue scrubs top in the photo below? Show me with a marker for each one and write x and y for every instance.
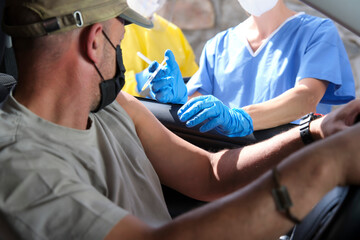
(304, 46)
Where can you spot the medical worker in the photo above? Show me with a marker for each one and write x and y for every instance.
(152, 43)
(271, 69)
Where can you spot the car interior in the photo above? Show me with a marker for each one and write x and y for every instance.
(336, 216)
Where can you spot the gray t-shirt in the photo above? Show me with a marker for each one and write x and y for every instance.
(63, 183)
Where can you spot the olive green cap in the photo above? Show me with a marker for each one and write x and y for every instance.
(65, 15)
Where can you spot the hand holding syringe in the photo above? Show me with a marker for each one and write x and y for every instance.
(170, 87)
(153, 75)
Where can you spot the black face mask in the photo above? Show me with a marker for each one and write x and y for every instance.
(109, 89)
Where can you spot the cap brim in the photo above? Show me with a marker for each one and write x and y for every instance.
(131, 16)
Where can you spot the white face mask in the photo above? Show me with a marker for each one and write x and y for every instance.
(257, 7)
(146, 7)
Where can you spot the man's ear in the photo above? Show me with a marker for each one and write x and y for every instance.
(93, 39)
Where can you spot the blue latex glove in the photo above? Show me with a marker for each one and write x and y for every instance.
(142, 77)
(230, 122)
(168, 86)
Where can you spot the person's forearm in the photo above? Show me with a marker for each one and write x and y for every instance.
(237, 167)
(289, 106)
(281, 110)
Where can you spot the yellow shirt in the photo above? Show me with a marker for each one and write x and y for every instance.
(153, 43)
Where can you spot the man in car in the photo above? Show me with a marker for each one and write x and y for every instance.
(81, 160)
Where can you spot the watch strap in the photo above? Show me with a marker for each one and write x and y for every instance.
(305, 127)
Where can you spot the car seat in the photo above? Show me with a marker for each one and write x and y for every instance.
(336, 216)
(7, 56)
(8, 68)
(318, 220)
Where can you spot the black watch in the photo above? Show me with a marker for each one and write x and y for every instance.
(305, 127)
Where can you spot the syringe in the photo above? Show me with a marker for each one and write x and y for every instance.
(153, 75)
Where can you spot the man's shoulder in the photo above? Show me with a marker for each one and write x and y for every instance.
(127, 102)
(14, 142)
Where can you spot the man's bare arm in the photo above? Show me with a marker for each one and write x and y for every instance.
(250, 212)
